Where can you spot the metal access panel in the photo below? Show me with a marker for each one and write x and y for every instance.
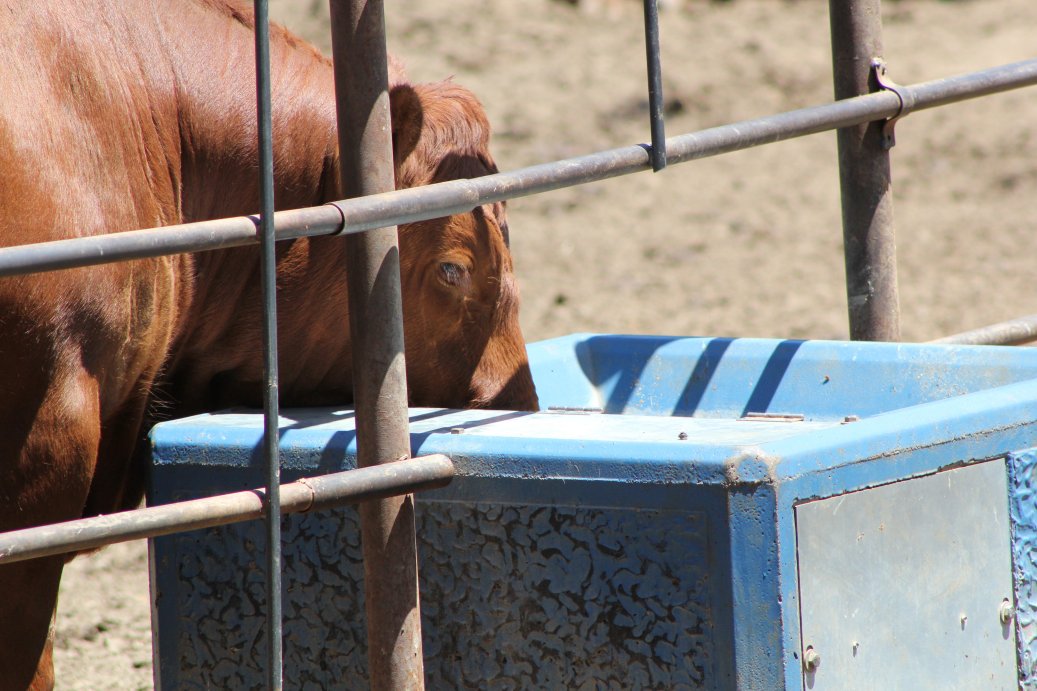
(909, 585)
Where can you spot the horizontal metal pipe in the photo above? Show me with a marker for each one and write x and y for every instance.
(1011, 332)
(940, 92)
(308, 494)
(407, 206)
(457, 196)
(166, 240)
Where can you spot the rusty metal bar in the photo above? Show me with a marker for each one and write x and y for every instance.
(442, 199)
(157, 242)
(1011, 332)
(376, 325)
(309, 494)
(864, 173)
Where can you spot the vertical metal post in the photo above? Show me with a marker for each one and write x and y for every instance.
(376, 323)
(270, 395)
(864, 173)
(655, 84)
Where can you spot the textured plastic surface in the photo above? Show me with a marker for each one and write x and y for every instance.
(523, 597)
(1023, 508)
(653, 548)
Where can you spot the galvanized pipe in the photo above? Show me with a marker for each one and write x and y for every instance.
(271, 407)
(376, 325)
(309, 494)
(869, 243)
(1011, 332)
(443, 199)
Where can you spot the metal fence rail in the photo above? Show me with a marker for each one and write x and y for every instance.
(271, 452)
(308, 494)
(865, 180)
(1011, 332)
(387, 529)
(409, 205)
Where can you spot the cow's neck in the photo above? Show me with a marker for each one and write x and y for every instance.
(217, 108)
(215, 358)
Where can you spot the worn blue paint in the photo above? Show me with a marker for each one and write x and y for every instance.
(1022, 473)
(671, 512)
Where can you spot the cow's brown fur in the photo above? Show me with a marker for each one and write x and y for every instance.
(137, 113)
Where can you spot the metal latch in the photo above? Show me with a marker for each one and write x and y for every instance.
(907, 101)
(573, 410)
(772, 417)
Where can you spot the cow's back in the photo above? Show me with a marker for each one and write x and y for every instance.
(88, 123)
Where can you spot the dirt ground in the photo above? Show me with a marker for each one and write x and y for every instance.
(742, 245)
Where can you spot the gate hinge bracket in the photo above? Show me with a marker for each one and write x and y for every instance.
(907, 101)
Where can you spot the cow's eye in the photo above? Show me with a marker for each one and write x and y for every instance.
(453, 274)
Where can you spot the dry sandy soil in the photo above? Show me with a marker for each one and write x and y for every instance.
(742, 245)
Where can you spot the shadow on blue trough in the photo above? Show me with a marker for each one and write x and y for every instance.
(684, 513)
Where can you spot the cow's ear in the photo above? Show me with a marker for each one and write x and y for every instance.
(407, 115)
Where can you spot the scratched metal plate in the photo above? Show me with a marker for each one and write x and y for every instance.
(901, 585)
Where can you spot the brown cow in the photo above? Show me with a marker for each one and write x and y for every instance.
(126, 114)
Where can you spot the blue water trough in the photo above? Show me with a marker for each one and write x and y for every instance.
(684, 513)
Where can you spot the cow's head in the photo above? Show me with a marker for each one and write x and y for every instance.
(464, 344)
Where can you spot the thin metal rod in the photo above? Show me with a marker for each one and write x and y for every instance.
(376, 326)
(655, 85)
(1011, 332)
(310, 494)
(869, 242)
(271, 408)
(443, 199)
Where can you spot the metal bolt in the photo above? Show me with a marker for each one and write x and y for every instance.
(457, 430)
(1005, 611)
(811, 659)
(682, 436)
